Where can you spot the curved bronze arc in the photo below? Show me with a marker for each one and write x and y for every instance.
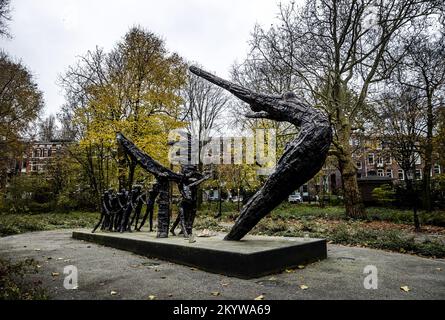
(302, 160)
(145, 161)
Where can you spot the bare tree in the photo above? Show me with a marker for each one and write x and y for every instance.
(332, 53)
(402, 125)
(5, 17)
(204, 104)
(424, 70)
(48, 130)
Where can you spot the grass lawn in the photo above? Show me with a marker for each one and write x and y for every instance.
(388, 229)
(11, 224)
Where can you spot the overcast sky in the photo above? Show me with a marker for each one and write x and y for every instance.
(49, 34)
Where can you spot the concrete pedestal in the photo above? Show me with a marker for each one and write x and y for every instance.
(252, 257)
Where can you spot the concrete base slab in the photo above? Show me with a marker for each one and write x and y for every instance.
(252, 257)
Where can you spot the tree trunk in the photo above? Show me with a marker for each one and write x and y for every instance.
(427, 203)
(200, 197)
(412, 199)
(352, 197)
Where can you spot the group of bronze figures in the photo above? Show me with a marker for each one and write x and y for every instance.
(121, 211)
(302, 159)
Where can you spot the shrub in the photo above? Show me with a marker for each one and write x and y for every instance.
(384, 194)
(12, 284)
(29, 194)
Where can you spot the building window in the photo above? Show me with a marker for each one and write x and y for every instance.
(389, 173)
(49, 152)
(401, 175)
(359, 164)
(371, 158)
(37, 153)
(45, 153)
(418, 174)
(436, 169)
(372, 173)
(380, 173)
(380, 161)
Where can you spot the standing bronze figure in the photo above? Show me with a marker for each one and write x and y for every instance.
(303, 158)
(189, 192)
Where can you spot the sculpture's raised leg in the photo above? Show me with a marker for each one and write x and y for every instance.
(302, 159)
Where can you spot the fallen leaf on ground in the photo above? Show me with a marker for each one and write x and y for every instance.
(215, 294)
(66, 260)
(304, 287)
(439, 269)
(151, 297)
(193, 269)
(170, 295)
(59, 258)
(405, 288)
(224, 284)
(55, 274)
(261, 297)
(272, 279)
(113, 293)
(301, 267)
(38, 250)
(289, 271)
(206, 233)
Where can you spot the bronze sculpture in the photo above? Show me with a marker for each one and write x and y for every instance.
(303, 158)
(188, 188)
(163, 177)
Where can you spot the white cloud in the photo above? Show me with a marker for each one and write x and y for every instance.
(49, 34)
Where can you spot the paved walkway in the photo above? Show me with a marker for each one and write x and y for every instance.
(103, 270)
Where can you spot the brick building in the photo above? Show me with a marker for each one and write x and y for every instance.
(38, 154)
(375, 166)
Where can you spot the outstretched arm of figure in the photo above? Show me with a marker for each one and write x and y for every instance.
(198, 182)
(145, 161)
